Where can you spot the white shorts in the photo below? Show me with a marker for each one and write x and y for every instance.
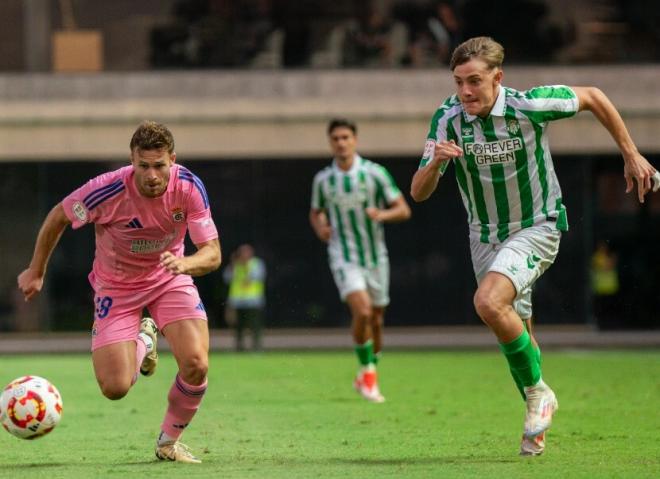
(523, 257)
(375, 281)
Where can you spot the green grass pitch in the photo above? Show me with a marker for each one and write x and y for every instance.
(295, 415)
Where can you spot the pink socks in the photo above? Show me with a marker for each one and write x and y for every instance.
(184, 400)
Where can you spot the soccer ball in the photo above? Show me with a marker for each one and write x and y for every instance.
(30, 407)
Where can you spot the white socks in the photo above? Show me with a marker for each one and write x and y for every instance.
(147, 341)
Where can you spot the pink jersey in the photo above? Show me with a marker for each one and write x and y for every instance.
(132, 230)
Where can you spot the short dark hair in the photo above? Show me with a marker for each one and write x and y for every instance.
(151, 135)
(341, 123)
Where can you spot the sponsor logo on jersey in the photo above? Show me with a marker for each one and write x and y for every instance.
(80, 211)
(350, 200)
(143, 246)
(494, 152)
(178, 215)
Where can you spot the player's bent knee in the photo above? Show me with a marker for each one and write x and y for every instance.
(194, 369)
(488, 306)
(114, 390)
(362, 316)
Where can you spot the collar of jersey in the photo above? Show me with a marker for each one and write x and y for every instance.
(174, 173)
(357, 160)
(497, 110)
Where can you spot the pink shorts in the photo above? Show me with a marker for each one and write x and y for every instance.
(117, 313)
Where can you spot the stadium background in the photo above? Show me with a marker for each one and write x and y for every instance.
(77, 76)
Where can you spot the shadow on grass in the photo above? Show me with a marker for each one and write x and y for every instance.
(48, 465)
(423, 460)
(363, 462)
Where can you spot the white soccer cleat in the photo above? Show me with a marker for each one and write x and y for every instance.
(150, 361)
(541, 406)
(176, 451)
(532, 446)
(366, 384)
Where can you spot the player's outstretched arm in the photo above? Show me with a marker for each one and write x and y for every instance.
(398, 210)
(635, 167)
(207, 258)
(320, 224)
(31, 280)
(425, 180)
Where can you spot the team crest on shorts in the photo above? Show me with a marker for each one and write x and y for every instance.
(177, 215)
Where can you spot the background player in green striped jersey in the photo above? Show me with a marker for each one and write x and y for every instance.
(496, 138)
(351, 199)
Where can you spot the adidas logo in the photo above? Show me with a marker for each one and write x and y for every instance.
(134, 223)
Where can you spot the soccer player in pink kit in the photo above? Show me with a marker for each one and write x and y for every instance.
(141, 214)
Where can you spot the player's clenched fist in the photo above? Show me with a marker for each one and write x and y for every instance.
(446, 150)
(30, 283)
(173, 264)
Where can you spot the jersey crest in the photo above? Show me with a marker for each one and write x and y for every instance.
(177, 215)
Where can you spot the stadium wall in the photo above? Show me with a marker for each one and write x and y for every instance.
(282, 114)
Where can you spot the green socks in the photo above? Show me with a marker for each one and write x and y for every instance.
(519, 384)
(524, 361)
(365, 353)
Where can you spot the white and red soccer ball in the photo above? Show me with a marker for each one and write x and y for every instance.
(30, 407)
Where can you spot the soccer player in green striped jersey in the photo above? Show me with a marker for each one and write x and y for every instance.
(496, 138)
(351, 199)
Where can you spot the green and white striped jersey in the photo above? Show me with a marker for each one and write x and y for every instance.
(344, 195)
(506, 176)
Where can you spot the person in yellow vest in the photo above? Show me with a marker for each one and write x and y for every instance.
(605, 284)
(246, 277)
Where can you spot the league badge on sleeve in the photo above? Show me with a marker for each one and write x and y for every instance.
(80, 211)
(429, 148)
(178, 215)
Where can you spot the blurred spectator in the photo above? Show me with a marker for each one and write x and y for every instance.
(521, 26)
(293, 18)
(246, 276)
(374, 39)
(214, 33)
(434, 32)
(605, 284)
(643, 34)
(180, 43)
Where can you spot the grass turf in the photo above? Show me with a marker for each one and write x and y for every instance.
(294, 415)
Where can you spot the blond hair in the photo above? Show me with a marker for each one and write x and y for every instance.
(483, 48)
(152, 136)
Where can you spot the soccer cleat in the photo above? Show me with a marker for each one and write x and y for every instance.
(532, 446)
(150, 361)
(366, 384)
(176, 451)
(541, 406)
